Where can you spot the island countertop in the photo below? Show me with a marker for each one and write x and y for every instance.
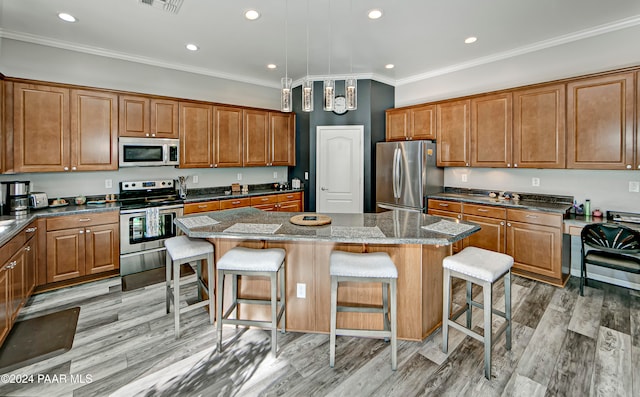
(391, 227)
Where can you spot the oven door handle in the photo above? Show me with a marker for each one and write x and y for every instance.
(161, 208)
(138, 253)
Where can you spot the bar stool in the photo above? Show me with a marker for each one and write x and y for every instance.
(480, 267)
(182, 249)
(241, 261)
(374, 267)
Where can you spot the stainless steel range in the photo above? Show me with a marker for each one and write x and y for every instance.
(146, 220)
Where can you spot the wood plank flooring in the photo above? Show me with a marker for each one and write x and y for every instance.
(563, 345)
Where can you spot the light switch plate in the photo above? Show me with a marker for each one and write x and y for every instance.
(239, 176)
(275, 174)
(108, 183)
(634, 187)
(301, 290)
(464, 177)
(535, 181)
(195, 179)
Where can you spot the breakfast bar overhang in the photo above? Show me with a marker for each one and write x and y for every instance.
(417, 253)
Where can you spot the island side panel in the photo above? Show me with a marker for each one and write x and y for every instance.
(432, 256)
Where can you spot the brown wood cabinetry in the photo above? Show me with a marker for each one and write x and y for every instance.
(269, 138)
(5, 316)
(447, 209)
(206, 206)
(148, 117)
(282, 139)
(227, 136)
(600, 126)
(539, 128)
(79, 245)
(196, 135)
(57, 129)
(492, 221)
(453, 133)
(491, 126)
(411, 123)
(290, 202)
(235, 203)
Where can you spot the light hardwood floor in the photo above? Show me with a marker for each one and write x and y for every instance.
(563, 345)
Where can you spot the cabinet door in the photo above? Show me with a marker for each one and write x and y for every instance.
(256, 137)
(194, 208)
(196, 135)
(282, 136)
(17, 282)
(453, 134)
(535, 248)
(40, 128)
(491, 235)
(266, 207)
(290, 206)
(458, 245)
(30, 265)
(5, 316)
(491, 124)
(228, 136)
(397, 124)
(539, 130)
(423, 122)
(164, 118)
(134, 116)
(235, 203)
(94, 131)
(102, 248)
(65, 254)
(600, 122)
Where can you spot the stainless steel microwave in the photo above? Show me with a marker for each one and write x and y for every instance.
(145, 152)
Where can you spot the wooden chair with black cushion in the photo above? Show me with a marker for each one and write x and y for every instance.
(609, 245)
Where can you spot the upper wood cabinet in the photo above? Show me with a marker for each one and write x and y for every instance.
(269, 138)
(453, 133)
(228, 136)
(57, 129)
(491, 126)
(600, 112)
(148, 117)
(196, 135)
(412, 123)
(539, 129)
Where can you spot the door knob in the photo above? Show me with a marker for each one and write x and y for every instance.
(323, 188)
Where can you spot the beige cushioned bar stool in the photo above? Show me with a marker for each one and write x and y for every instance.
(375, 267)
(182, 249)
(481, 267)
(241, 261)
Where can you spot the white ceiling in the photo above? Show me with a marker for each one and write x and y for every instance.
(422, 38)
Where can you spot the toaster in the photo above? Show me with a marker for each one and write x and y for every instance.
(38, 200)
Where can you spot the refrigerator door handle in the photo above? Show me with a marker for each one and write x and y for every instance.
(396, 153)
(399, 175)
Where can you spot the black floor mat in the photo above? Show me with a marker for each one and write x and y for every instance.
(38, 339)
(150, 277)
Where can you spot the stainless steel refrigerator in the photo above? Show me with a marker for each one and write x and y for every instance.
(406, 172)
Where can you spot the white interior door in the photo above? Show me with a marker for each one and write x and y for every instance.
(340, 169)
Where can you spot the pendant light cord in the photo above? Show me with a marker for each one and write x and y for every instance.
(307, 39)
(330, 38)
(286, 39)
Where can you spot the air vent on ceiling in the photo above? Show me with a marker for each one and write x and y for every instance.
(172, 6)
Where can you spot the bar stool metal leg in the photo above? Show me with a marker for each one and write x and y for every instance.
(332, 337)
(219, 300)
(446, 309)
(507, 307)
(394, 324)
(469, 306)
(488, 295)
(176, 298)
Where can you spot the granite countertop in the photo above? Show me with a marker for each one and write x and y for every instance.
(391, 227)
(217, 194)
(530, 202)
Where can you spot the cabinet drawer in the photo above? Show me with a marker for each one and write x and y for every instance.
(270, 199)
(445, 214)
(485, 210)
(82, 220)
(235, 203)
(444, 205)
(205, 206)
(534, 217)
(289, 197)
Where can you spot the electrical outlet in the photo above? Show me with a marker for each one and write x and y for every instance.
(634, 187)
(108, 183)
(275, 174)
(239, 176)
(301, 290)
(535, 181)
(464, 177)
(195, 179)
(306, 175)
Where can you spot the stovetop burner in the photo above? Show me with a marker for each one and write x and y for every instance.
(146, 194)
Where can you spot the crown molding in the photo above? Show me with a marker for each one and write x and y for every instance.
(540, 45)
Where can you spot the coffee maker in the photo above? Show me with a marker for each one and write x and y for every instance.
(16, 198)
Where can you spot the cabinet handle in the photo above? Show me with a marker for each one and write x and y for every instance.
(639, 166)
(501, 223)
(482, 210)
(443, 205)
(73, 168)
(515, 166)
(210, 165)
(628, 166)
(508, 224)
(66, 168)
(466, 164)
(12, 264)
(290, 196)
(153, 134)
(31, 229)
(235, 202)
(81, 232)
(215, 165)
(88, 231)
(264, 199)
(202, 206)
(146, 134)
(532, 216)
(84, 219)
(27, 248)
(508, 165)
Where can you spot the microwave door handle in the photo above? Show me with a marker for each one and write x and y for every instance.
(165, 153)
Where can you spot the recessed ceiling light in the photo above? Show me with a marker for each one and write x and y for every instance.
(470, 40)
(389, 66)
(271, 66)
(192, 47)
(67, 17)
(375, 14)
(252, 15)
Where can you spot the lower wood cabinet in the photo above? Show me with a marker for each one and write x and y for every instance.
(492, 221)
(205, 206)
(285, 202)
(79, 245)
(447, 209)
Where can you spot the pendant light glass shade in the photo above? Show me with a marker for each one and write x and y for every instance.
(307, 96)
(285, 96)
(351, 93)
(328, 94)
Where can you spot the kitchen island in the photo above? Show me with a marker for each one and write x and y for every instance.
(416, 252)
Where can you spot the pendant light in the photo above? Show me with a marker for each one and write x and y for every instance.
(307, 84)
(328, 92)
(286, 81)
(351, 83)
